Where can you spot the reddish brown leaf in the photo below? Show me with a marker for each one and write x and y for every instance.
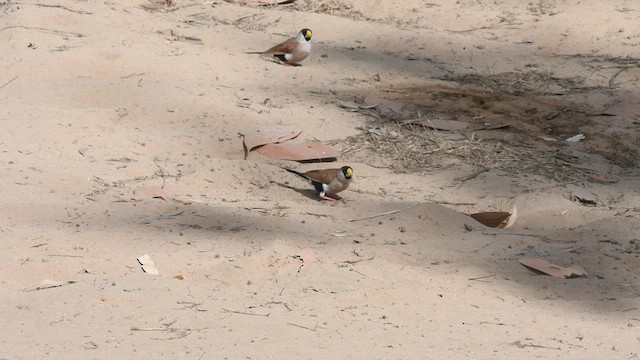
(545, 267)
(308, 151)
(491, 218)
(268, 134)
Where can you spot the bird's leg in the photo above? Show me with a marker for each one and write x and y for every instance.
(325, 197)
(328, 198)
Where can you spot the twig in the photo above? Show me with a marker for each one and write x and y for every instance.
(189, 305)
(244, 313)
(521, 345)
(483, 28)
(480, 277)
(173, 9)
(613, 78)
(168, 328)
(455, 203)
(464, 179)
(356, 261)
(51, 286)
(57, 6)
(318, 215)
(8, 82)
(279, 303)
(165, 327)
(44, 30)
(135, 328)
(155, 161)
(383, 214)
(303, 327)
(541, 237)
(132, 75)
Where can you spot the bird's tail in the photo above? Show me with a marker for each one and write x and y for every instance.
(296, 172)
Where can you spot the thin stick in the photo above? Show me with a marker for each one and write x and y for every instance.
(383, 214)
(357, 272)
(51, 286)
(8, 82)
(522, 345)
(480, 277)
(613, 78)
(244, 313)
(464, 179)
(58, 6)
(540, 237)
(455, 203)
(498, 26)
(132, 75)
(356, 261)
(135, 328)
(303, 327)
(164, 182)
(45, 30)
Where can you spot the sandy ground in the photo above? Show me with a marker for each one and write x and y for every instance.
(98, 98)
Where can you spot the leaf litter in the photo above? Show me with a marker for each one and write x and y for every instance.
(488, 124)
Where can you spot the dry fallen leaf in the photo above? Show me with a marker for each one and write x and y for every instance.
(268, 134)
(309, 151)
(543, 266)
(492, 219)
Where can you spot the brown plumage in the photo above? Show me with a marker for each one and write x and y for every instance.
(328, 181)
(292, 51)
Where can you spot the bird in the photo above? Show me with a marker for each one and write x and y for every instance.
(292, 51)
(328, 181)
